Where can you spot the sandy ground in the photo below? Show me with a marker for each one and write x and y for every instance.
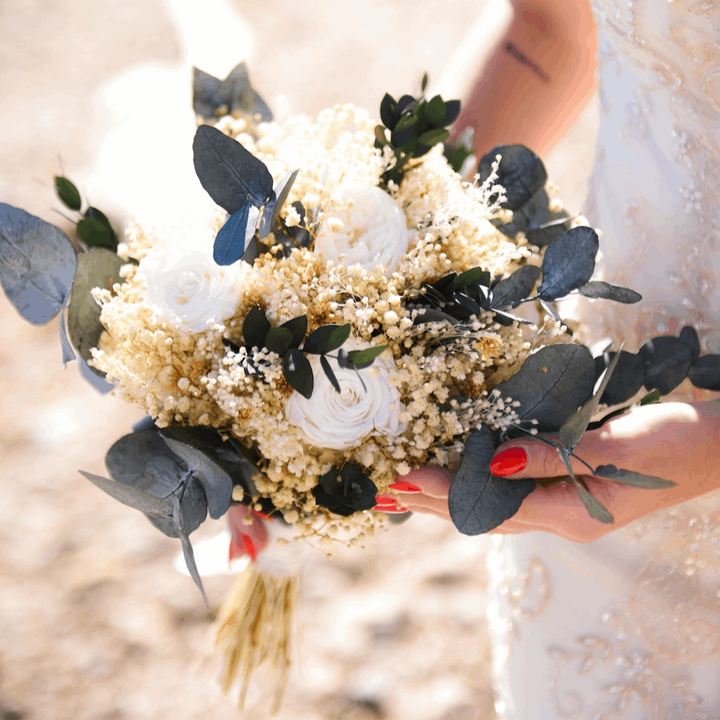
(94, 621)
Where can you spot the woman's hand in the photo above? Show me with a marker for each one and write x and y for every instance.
(674, 441)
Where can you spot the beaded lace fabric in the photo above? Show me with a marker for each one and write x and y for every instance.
(628, 627)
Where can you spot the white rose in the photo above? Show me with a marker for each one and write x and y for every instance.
(339, 421)
(187, 288)
(373, 231)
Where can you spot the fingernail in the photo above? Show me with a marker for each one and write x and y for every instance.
(508, 462)
(403, 486)
(385, 500)
(250, 548)
(394, 508)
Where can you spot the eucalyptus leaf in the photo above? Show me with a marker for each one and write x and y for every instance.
(228, 172)
(690, 337)
(555, 226)
(131, 496)
(478, 500)
(273, 208)
(144, 462)
(298, 372)
(551, 384)
(574, 427)
(67, 192)
(98, 268)
(627, 477)
(188, 553)
(195, 445)
(667, 363)
(516, 288)
(236, 234)
(255, 329)
(430, 315)
(474, 276)
(235, 92)
(520, 172)
(569, 263)
(68, 353)
(326, 339)
(594, 507)
(599, 289)
(626, 381)
(37, 264)
(705, 373)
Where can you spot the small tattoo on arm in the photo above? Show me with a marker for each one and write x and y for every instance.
(525, 60)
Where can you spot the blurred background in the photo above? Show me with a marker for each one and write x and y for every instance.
(94, 621)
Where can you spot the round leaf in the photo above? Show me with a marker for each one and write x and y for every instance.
(98, 268)
(569, 263)
(521, 173)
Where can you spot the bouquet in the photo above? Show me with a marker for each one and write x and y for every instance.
(353, 311)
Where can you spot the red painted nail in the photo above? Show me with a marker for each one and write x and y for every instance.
(385, 500)
(250, 548)
(403, 486)
(508, 462)
(394, 508)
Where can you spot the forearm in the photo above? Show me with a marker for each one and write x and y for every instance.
(538, 80)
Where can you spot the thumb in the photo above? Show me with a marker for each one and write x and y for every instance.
(531, 459)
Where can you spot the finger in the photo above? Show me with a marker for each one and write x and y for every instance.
(433, 482)
(527, 458)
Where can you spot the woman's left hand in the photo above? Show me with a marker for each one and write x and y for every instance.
(674, 441)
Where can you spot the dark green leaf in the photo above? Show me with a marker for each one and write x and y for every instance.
(298, 327)
(424, 82)
(360, 359)
(298, 372)
(96, 234)
(667, 363)
(236, 234)
(652, 398)
(599, 289)
(574, 427)
(405, 122)
(555, 227)
(279, 340)
(705, 373)
(452, 111)
(552, 384)
(329, 373)
(479, 501)
(97, 268)
(67, 192)
(516, 288)
(228, 172)
(569, 263)
(353, 492)
(521, 172)
(326, 339)
(405, 105)
(435, 111)
(255, 329)
(428, 315)
(387, 111)
(433, 137)
(474, 276)
(37, 264)
(273, 208)
(627, 477)
(690, 337)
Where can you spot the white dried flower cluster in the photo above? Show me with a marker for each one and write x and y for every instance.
(399, 413)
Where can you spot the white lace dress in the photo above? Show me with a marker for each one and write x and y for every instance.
(628, 627)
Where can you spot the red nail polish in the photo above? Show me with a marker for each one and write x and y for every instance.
(403, 486)
(250, 548)
(385, 500)
(508, 462)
